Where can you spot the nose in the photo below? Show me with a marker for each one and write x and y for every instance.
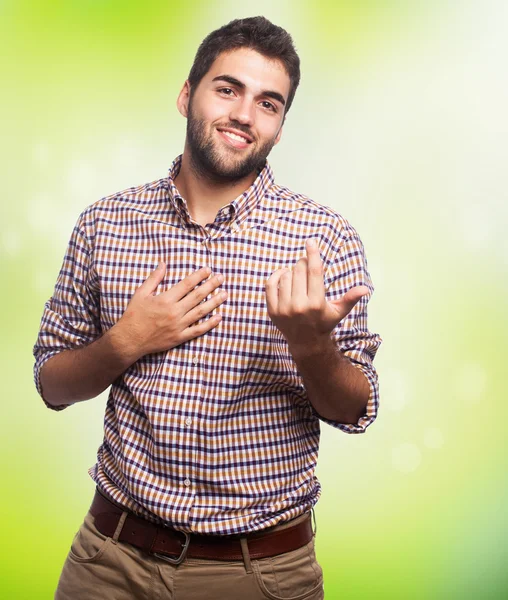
(243, 111)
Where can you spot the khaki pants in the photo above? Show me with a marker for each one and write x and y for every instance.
(99, 567)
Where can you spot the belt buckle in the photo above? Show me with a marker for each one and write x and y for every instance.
(183, 554)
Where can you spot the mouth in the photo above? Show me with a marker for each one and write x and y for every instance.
(235, 138)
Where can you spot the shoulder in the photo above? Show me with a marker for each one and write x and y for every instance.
(147, 198)
(331, 223)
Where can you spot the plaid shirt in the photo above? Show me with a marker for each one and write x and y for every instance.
(216, 435)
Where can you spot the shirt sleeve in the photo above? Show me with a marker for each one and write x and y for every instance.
(348, 269)
(71, 317)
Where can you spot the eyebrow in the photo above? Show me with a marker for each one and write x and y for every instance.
(239, 84)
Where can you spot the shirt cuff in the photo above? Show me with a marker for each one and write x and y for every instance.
(39, 362)
(372, 405)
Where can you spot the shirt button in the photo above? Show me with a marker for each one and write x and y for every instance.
(188, 421)
(195, 360)
(187, 482)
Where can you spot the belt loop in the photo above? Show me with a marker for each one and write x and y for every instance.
(119, 527)
(314, 519)
(246, 555)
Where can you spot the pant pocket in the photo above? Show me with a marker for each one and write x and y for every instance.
(89, 544)
(97, 567)
(295, 575)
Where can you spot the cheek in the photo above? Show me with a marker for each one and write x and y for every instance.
(208, 110)
(214, 110)
(268, 129)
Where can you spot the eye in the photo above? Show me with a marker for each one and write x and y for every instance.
(268, 105)
(226, 91)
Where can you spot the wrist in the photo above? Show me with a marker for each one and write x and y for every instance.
(124, 342)
(314, 348)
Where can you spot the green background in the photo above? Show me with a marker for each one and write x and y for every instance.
(399, 124)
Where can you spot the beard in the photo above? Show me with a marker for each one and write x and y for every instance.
(208, 162)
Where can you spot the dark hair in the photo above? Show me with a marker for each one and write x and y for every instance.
(256, 33)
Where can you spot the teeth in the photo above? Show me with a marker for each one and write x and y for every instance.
(233, 136)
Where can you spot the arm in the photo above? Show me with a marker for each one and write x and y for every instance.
(83, 373)
(76, 360)
(337, 390)
(151, 323)
(71, 317)
(327, 335)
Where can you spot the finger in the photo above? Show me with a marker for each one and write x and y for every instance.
(315, 277)
(150, 284)
(346, 304)
(199, 329)
(203, 309)
(187, 284)
(272, 292)
(299, 284)
(285, 290)
(197, 295)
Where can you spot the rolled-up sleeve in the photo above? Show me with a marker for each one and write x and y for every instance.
(71, 317)
(348, 269)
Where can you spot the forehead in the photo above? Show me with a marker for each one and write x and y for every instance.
(256, 71)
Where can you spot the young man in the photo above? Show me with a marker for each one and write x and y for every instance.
(229, 316)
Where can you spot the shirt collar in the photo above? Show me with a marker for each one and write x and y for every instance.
(242, 206)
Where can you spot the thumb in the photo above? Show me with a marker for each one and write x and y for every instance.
(346, 303)
(152, 281)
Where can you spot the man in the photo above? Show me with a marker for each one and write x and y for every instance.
(228, 314)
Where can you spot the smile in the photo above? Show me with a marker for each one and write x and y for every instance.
(237, 140)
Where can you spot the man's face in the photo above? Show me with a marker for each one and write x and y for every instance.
(235, 114)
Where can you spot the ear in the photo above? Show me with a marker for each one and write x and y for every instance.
(182, 102)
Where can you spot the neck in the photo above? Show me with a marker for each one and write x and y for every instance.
(205, 196)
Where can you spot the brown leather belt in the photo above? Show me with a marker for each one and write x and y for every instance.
(174, 546)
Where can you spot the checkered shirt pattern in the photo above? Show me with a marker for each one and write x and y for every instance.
(216, 435)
